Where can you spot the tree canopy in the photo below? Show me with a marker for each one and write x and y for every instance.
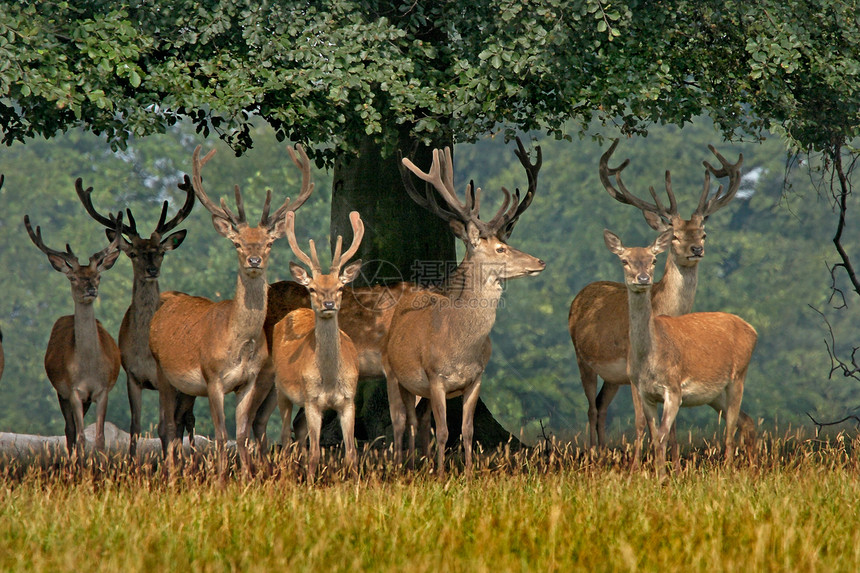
(333, 72)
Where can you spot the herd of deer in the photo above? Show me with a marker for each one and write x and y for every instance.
(308, 342)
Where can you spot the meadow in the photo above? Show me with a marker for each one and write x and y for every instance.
(789, 505)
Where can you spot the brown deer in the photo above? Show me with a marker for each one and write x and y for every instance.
(598, 314)
(146, 256)
(207, 348)
(315, 362)
(82, 360)
(688, 360)
(438, 342)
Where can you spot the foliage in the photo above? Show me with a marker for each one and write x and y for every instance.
(334, 71)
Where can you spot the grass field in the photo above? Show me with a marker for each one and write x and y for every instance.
(793, 508)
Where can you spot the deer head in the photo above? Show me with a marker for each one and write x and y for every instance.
(326, 289)
(486, 241)
(84, 279)
(146, 254)
(638, 262)
(253, 244)
(688, 243)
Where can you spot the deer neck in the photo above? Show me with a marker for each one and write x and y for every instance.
(641, 331)
(473, 297)
(249, 305)
(327, 349)
(144, 303)
(675, 292)
(87, 347)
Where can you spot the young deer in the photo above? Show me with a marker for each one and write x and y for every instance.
(206, 348)
(687, 360)
(598, 315)
(82, 360)
(439, 343)
(146, 256)
(316, 363)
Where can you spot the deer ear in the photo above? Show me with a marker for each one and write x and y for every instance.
(59, 264)
(613, 243)
(300, 274)
(655, 221)
(174, 240)
(350, 273)
(224, 227)
(662, 242)
(123, 244)
(108, 260)
(474, 233)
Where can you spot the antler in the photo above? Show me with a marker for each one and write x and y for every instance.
(165, 227)
(507, 220)
(85, 195)
(622, 195)
(36, 237)
(68, 256)
(313, 263)
(719, 200)
(222, 212)
(357, 234)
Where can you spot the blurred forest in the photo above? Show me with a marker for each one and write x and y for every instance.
(767, 257)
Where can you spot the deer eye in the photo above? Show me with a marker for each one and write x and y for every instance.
(625, 263)
(312, 290)
(132, 255)
(237, 245)
(500, 249)
(704, 237)
(654, 262)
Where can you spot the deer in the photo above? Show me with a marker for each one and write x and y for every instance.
(315, 362)
(82, 359)
(438, 343)
(598, 314)
(687, 360)
(207, 348)
(146, 255)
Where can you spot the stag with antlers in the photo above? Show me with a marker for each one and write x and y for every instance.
(438, 344)
(316, 363)
(206, 348)
(598, 320)
(146, 256)
(82, 360)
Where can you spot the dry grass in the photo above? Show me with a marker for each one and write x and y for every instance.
(791, 506)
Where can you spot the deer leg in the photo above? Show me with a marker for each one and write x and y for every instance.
(440, 415)
(170, 446)
(69, 417)
(314, 417)
(246, 406)
(134, 402)
(425, 414)
(397, 409)
(640, 424)
(588, 377)
(671, 404)
(347, 427)
(266, 402)
(675, 447)
(470, 402)
(604, 398)
(184, 417)
(734, 394)
(285, 406)
(216, 410)
(408, 399)
(101, 414)
(78, 413)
